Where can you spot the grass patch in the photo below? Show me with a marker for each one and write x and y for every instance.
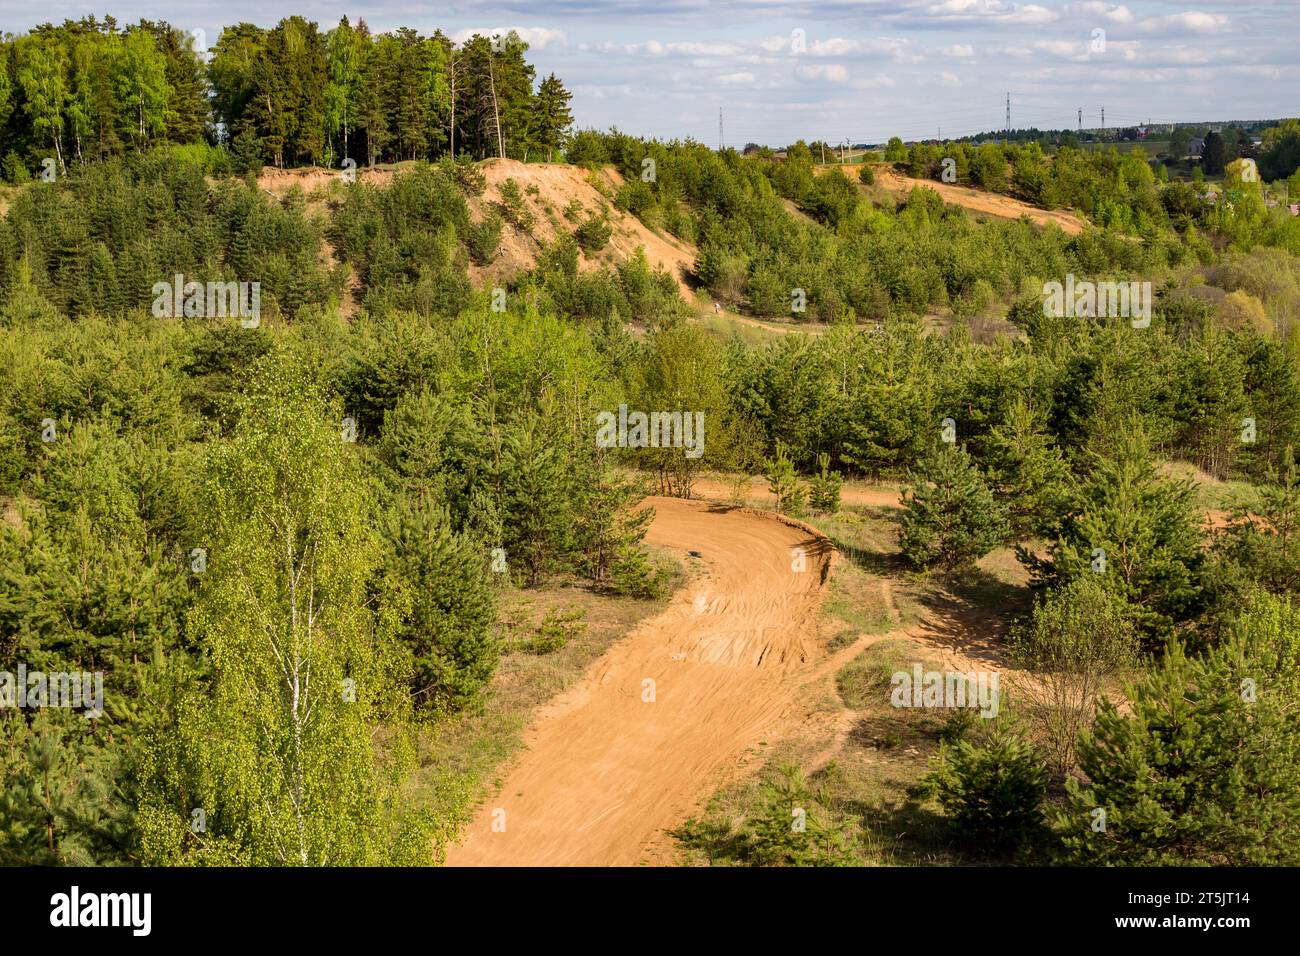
(1210, 492)
(862, 601)
(724, 327)
(866, 679)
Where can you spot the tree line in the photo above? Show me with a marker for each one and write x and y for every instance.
(288, 95)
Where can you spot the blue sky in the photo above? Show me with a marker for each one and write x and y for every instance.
(834, 69)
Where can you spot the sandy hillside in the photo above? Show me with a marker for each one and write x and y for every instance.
(278, 182)
(976, 200)
(557, 185)
(606, 772)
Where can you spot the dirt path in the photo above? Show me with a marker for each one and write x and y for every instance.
(605, 771)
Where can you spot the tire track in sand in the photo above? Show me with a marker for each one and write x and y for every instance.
(605, 773)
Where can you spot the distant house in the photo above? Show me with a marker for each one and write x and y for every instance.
(1195, 147)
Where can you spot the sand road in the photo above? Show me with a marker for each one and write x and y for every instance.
(607, 770)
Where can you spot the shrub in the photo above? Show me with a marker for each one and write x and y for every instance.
(792, 826)
(992, 790)
(637, 574)
(635, 197)
(1078, 636)
(13, 170)
(469, 177)
(783, 482)
(483, 237)
(824, 488)
(558, 627)
(514, 207)
(593, 234)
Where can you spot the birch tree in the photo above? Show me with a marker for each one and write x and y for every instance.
(42, 67)
(282, 752)
(345, 52)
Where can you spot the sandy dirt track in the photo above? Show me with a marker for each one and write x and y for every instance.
(605, 773)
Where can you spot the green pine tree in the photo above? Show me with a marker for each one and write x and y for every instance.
(1202, 765)
(1027, 471)
(824, 487)
(552, 117)
(1139, 532)
(783, 482)
(950, 517)
(451, 607)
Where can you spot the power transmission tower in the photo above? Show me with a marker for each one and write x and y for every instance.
(1007, 138)
(719, 129)
(1103, 121)
(1080, 123)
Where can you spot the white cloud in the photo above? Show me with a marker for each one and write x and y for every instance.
(537, 38)
(1060, 47)
(1190, 21)
(990, 10)
(831, 72)
(1095, 9)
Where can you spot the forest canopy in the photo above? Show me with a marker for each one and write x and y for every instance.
(289, 95)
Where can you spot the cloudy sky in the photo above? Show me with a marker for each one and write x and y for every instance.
(860, 70)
